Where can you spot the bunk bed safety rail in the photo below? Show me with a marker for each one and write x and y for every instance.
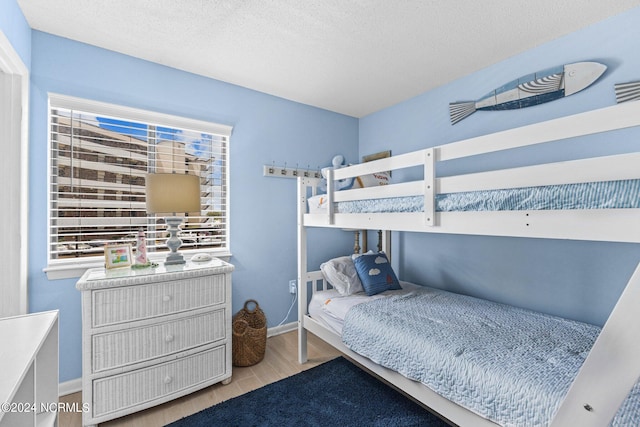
(429, 186)
(604, 168)
(426, 187)
(615, 117)
(400, 161)
(449, 202)
(330, 196)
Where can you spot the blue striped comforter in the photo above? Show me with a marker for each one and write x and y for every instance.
(594, 195)
(509, 365)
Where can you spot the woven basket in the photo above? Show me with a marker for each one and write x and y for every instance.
(249, 335)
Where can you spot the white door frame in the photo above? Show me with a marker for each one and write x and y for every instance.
(14, 127)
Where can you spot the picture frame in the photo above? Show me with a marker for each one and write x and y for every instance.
(376, 156)
(117, 255)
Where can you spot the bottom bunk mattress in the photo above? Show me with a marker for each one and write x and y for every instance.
(506, 364)
(329, 307)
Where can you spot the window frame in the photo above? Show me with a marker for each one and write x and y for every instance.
(15, 124)
(68, 267)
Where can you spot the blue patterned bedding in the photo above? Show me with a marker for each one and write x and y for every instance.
(509, 365)
(594, 195)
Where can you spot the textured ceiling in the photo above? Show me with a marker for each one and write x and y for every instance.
(350, 56)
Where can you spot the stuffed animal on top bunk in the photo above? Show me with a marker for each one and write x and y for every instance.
(342, 184)
(381, 178)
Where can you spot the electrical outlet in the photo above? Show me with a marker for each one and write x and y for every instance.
(292, 286)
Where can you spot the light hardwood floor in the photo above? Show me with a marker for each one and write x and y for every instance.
(280, 361)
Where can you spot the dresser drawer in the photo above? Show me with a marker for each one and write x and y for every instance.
(143, 386)
(124, 347)
(125, 304)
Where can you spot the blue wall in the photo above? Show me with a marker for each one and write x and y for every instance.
(263, 210)
(579, 280)
(15, 27)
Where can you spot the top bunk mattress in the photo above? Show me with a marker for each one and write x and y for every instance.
(619, 194)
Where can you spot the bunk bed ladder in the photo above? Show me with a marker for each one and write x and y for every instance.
(611, 368)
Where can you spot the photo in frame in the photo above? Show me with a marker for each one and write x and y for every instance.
(117, 255)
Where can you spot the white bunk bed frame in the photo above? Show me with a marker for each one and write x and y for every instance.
(606, 376)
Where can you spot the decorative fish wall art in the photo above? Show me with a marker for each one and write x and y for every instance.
(533, 89)
(627, 91)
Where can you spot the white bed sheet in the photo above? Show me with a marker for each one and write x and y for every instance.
(329, 308)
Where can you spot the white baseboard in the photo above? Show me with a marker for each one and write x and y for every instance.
(69, 387)
(277, 330)
(74, 386)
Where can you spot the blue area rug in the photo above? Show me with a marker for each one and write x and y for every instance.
(336, 393)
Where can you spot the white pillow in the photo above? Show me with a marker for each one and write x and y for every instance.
(342, 274)
(372, 180)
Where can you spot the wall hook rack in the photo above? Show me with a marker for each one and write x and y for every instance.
(289, 172)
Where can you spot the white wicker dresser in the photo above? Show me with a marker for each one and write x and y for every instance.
(152, 335)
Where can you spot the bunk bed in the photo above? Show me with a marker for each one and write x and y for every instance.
(604, 380)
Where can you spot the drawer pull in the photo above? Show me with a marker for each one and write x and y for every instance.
(168, 379)
(166, 298)
(168, 338)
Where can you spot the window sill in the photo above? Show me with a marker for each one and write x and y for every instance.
(75, 269)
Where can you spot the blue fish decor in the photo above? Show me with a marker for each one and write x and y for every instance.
(627, 91)
(533, 89)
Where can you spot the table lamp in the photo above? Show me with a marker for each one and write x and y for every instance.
(170, 194)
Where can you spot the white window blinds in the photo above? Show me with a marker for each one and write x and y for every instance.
(100, 155)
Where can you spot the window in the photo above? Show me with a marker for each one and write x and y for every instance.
(99, 157)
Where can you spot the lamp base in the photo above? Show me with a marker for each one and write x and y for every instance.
(174, 242)
(174, 259)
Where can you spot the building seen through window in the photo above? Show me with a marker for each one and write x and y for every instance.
(97, 183)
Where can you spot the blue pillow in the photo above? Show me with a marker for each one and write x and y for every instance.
(375, 273)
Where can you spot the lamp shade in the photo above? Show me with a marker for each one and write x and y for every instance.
(170, 193)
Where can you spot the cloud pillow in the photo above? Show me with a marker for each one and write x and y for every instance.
(375, 273)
